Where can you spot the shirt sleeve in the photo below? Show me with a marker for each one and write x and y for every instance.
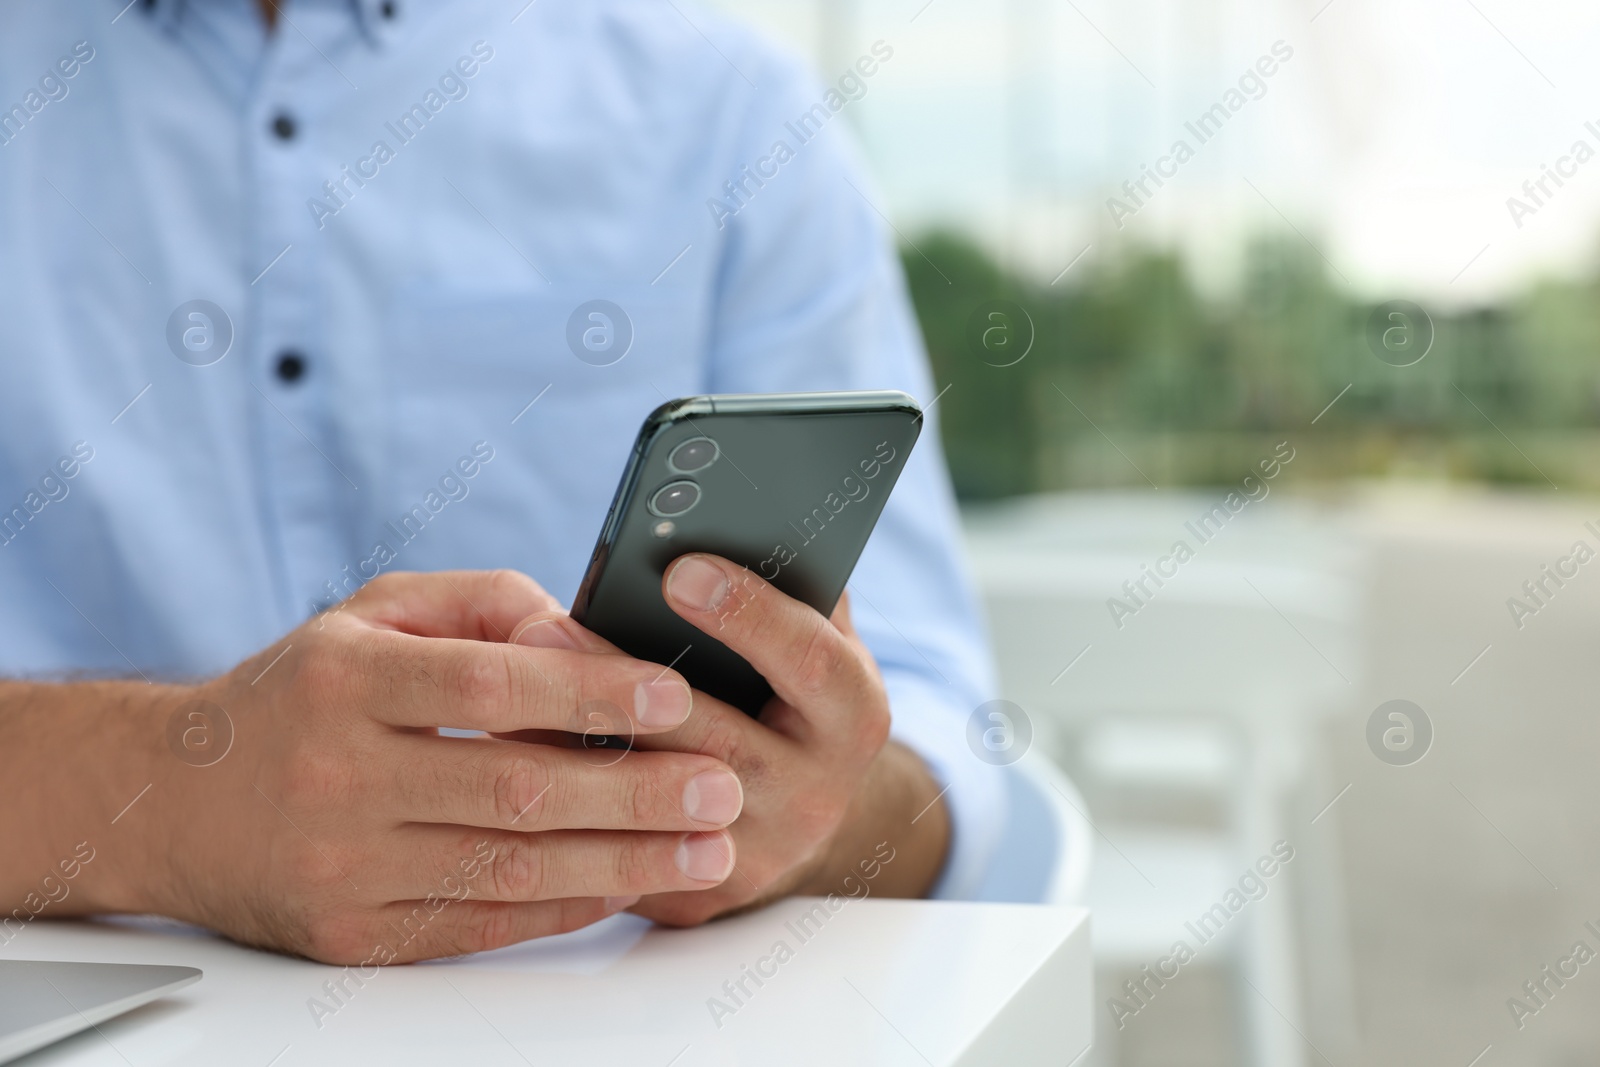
(810, 296)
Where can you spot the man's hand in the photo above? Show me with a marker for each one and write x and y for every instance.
(339, 825)
(825, 796)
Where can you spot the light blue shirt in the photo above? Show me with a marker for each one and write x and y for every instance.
(408, 202)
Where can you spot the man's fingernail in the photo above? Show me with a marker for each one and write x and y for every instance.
(663, 702)
(615, 904)
(546, 633)
(714, 797)
(706, 857)
(698, 583)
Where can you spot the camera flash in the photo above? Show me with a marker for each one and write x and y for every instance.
(665, 528)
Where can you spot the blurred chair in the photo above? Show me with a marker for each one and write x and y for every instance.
(1188, 727)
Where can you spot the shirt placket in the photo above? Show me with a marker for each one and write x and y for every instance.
(311, 485)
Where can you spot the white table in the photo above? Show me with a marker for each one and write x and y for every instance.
(880, 982)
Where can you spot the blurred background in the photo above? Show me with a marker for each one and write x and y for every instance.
(1336, 258)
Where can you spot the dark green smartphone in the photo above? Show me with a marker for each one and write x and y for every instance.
(788, 485)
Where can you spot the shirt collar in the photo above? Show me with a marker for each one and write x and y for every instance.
(375, 17)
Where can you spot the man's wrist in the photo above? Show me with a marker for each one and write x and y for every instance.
(900, 813)
(138, 774)
(86, 757)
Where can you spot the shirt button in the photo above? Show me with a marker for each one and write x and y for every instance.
(291, 366)
(283, 126)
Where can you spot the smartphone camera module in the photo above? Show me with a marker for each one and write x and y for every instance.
(675, 498)
(695, 454)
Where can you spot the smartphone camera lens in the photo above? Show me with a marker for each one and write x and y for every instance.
(693, 455)
(675, 498)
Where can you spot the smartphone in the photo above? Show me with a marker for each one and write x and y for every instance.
(788, 485)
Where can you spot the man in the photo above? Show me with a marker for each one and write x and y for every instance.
(309, 426)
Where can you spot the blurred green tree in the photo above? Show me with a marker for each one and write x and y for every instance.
(1133, 377)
